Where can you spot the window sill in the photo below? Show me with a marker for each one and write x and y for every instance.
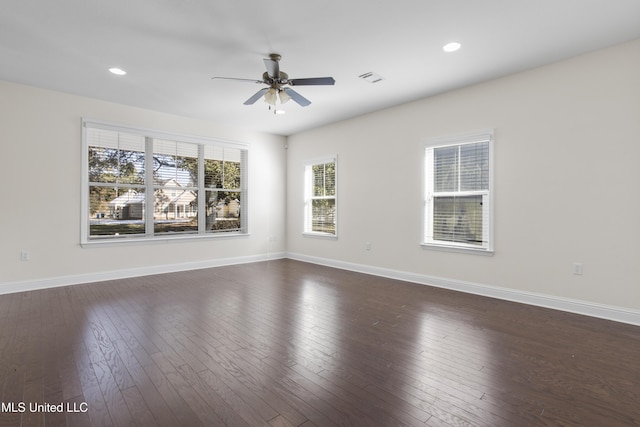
(320, 235)
(458, 249)
(125, 241)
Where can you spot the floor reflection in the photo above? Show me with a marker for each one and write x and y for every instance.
(314, 329)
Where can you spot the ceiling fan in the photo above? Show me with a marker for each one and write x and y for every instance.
(278, 83)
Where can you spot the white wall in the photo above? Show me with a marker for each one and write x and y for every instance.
(567, 147)
(40, 176)
(567, 144)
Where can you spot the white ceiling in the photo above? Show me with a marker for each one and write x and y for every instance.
(172, 48)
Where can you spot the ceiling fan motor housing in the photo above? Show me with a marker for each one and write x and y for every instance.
(282, 79)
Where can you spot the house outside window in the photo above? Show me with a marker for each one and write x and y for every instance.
(142, 185)
(458, 192)
(320, 210)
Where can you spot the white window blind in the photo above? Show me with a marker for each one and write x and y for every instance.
(457, 186)
(175, 190)
(143, 185)
(320, 197)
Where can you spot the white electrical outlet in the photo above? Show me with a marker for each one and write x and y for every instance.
(25, 255)
(577, 268)
(367, 246)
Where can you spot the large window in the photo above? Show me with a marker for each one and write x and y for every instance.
(457, 197)
(320, 197)
(145, 184)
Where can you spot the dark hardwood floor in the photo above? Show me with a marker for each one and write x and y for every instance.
(285, 343)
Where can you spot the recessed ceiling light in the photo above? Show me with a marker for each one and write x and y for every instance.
(117, 71)
(451, 47)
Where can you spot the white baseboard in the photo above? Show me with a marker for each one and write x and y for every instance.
(31, 285)
(618, 314)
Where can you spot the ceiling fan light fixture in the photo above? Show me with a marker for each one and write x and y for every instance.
(270, 97)
(284, 96)
(451, 47)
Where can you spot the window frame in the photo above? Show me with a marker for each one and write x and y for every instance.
(428, 194)
(309, 198)
(149, 186)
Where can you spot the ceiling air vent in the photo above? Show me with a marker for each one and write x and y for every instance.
(371, 77)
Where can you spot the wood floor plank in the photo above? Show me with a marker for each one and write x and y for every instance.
(98, 410)
(153, 398)
(226, 413)
(280, 421)
(204, 412)
(244, 382)
(113, 397)
(79, 415)
(287, 343)
(250, 396)
(140, 412)
(244, 409)
(12, 396)
(359, 405)
(180, 409)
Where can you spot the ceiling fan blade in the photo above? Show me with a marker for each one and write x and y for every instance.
(242, 80)
(297, 97)
(313, 81)
(256, 96)
(273, 68)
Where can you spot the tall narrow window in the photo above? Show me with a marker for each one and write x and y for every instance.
(224, 175)
(144, 184)
(175, 187)
(320, 197)
(457, 185)
(117, 186)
